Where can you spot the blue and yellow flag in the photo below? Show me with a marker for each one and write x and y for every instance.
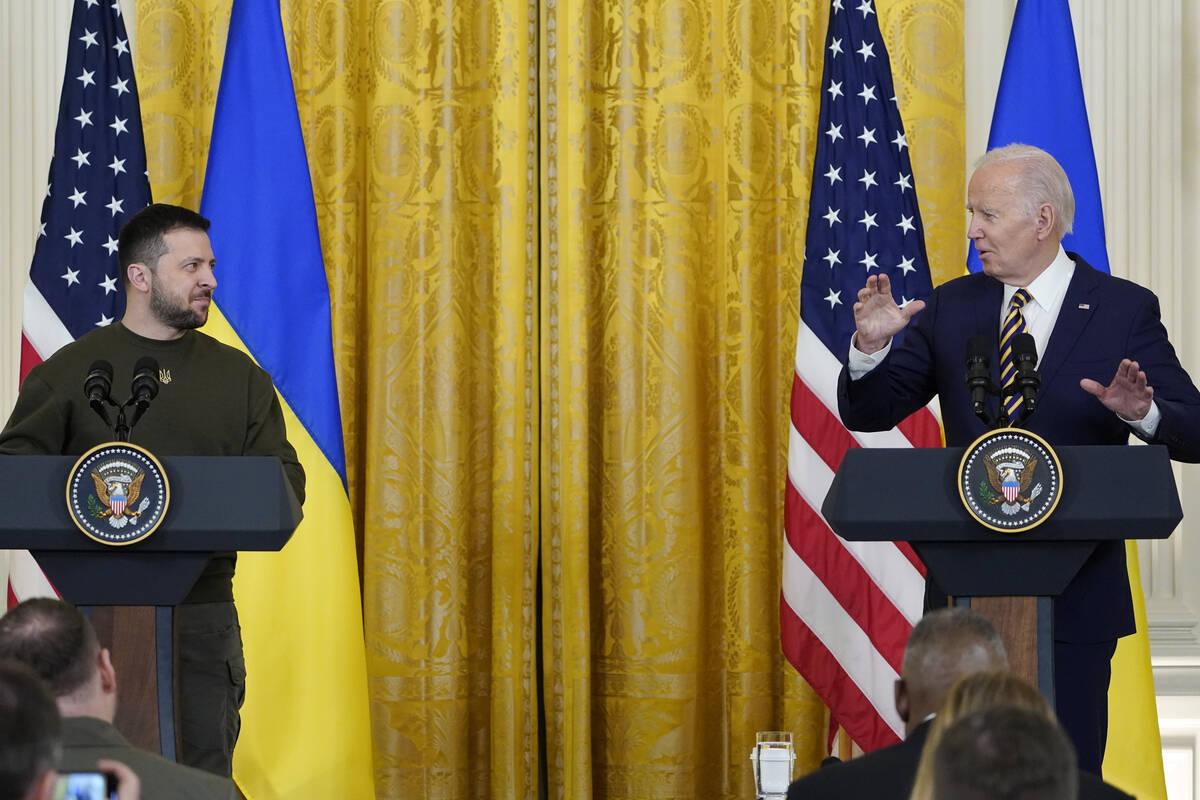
(305, 724)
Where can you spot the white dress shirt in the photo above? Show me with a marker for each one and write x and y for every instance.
(1046, 293)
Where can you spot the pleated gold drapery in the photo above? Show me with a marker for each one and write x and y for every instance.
(563, 242)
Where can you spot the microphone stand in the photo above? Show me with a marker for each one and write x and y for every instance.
(1027, 408)
(992, 423)
(97, 405)
(1026, 384)
(121, 430)
(139, 408)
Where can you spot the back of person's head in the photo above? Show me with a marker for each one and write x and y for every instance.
(945, 645)
(1041, 179)
(975, 692)
(141, 238)
(1004, 753)
(982, 690)
(55, 640)
(30, 733)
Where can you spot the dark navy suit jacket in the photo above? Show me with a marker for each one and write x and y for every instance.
(1102, 320)
(884, 774)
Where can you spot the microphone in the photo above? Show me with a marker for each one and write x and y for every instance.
(144, 387)
(97, 386)
(98, 382)
(145, 381)
(979, 375)
(1028, 380)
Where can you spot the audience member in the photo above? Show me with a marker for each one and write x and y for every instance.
(945, 645)
(58, 642)
(1004, 753)
(30, 734)
(984, 690)
(31, 740)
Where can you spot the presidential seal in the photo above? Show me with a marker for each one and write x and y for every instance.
(1010, 480)
(117, 493)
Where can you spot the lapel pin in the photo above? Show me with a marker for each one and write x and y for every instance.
(1085, 307)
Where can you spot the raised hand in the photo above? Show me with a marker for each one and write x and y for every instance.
(1128, 395)
(877, 315)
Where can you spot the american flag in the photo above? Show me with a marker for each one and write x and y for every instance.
(846, 608)
(98, 179)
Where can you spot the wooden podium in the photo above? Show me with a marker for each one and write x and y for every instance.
(911, 495)
(216, 505)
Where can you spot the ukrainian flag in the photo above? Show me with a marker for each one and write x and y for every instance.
(305, 724)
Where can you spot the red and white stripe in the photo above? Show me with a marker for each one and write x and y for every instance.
(42, 333)
(25, 577)
(846, 608)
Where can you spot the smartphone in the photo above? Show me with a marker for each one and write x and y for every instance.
(85, 786)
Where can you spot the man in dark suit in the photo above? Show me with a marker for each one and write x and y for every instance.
(1087, 326)
(56, 641)
(944, 646)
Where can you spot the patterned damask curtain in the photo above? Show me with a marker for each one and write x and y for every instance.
(563, 241)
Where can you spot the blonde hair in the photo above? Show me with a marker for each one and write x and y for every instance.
(976, 692)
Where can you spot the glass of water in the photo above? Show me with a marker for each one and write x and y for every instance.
(772, 759)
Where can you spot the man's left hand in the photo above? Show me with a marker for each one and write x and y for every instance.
(1128, 395)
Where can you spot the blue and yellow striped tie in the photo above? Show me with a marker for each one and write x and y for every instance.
(1014, 323)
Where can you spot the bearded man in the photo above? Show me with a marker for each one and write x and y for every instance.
(213, 400)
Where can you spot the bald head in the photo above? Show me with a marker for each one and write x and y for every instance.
(947, 644)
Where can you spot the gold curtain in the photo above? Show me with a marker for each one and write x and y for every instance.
(563, 242)
(677, 169)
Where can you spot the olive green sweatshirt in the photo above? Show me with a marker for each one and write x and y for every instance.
(212, 400)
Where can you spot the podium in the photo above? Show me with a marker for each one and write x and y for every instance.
(216, 505)
(1109, 493)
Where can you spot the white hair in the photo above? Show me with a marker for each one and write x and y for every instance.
(1040, 180)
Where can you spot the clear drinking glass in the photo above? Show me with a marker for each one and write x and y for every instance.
(772, 759)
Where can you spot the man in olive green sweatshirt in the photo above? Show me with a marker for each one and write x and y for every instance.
(213, 400)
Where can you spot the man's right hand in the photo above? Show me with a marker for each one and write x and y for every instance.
(128, 785)
(877, 315)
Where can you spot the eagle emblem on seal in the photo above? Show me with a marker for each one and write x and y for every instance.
(1010, 480)
(1010, 472)
(117, 494)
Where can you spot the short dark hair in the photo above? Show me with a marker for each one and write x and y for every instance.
(30, 730)
(1005, 753)
(141, 238)
(52, 638)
